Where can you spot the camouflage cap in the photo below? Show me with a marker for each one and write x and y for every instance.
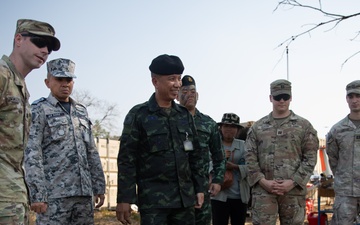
(38, 28)
(188, 80)
(353, 87)
(231, 119)
(279, 87)
(166, 65)
(61, 68)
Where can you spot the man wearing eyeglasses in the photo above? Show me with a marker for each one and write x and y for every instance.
(281, 156)
(33, 42)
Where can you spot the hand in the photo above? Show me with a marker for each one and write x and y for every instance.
(284, 186)
(99, 200)
(269, 186)
(214, 189)
(231, 166)
(39, 207)
(123, 212)
(199, 200)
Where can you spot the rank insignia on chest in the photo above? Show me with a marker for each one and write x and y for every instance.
(357, 137)
(279, 132)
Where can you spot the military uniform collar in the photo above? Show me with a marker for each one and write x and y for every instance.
(154, 106)
(54, 101)
(271, 119)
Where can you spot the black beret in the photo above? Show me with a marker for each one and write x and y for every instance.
(188, 80)
(166, 65)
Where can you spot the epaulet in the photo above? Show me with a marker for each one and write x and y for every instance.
(39, 100)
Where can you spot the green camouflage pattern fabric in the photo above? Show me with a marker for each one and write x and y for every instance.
(78, 210)
(153, 157)
(14, 130)
(14, 213)
(285, 151)
(210, 141)
(343, 150)
(61, 159)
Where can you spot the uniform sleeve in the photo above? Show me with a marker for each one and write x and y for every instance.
(126, 160)
(197, 160)
(309, 149)
(332, 150)
(33, 158)
(96, 170)
(217, 155)
(251, 158)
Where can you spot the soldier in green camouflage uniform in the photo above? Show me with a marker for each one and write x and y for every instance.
(33, 42)
(160, 162)
(281, 156)
(63, 168)
(210, 140)
(343, 149)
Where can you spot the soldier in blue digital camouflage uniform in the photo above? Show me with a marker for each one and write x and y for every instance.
(210, 140)
(33, 42)
(63, 168)
(281, 156)
(343, 149)
(160, 161)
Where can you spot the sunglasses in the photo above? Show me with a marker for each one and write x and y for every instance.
(285, 97)
(39, 41)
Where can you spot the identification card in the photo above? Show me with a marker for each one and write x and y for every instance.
(188, 145)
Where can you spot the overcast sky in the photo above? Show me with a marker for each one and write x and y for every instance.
(230, 47)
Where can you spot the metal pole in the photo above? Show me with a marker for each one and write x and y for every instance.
(287, 62)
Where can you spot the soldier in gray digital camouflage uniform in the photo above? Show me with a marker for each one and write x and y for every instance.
(63, 168)
(33, 42)
(281, 156)
(160, 161)
(210, 140)
(343, 149)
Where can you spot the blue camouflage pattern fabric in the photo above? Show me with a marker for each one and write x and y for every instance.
(210, 141)
(61, 159)
(343, 150)
(15, 118)
(154, 169)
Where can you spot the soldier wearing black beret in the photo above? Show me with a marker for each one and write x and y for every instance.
(160, 162)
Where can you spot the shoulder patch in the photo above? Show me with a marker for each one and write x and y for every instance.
(39, 100)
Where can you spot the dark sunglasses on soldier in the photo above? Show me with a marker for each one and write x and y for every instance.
(39, 41)
(278, 98)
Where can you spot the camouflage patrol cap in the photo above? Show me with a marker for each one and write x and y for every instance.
(279, 87)
(353, 87)
(188, 80)
(61, 68)
(38, 28)
(231, 119)
(166, 65)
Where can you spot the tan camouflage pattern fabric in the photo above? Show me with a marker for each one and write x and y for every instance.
(14, 130)
(280, 151)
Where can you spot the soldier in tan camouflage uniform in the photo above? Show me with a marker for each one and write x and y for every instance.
(33, 42)
(281, 156)
(63, 168)
(343, 149)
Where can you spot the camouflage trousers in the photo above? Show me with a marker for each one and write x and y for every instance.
(345, 210)
(203, 215)
(267, 207)
(12, 213)
(166, 216)
(70, 210)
